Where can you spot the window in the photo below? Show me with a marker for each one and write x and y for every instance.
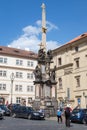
(77, 62)
(79, 101)
(59, 61)
(3, 87)
(30, 76)
(3, 73)
(29, 88)
(77, 81)
(60, 83)
(68, 93)
(19, 74)
(19, 62)
(18, 99)
(29, 99)
(86, 101)
(3, 60)
(30, 63)
(18, 88)
(76, 48)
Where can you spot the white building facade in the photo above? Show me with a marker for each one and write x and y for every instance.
(21, 64)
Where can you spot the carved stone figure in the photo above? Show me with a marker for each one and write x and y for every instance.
(53, 75)
(41, 54)
(38, 74)
(49, 55)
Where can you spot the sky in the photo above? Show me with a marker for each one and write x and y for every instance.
(20, 22)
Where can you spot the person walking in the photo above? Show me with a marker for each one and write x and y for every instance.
(59, 115)
(67, 116)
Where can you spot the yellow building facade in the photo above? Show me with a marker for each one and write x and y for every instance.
(71, 72)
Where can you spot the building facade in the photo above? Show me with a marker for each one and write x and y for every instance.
(71, 72)
(16, 75)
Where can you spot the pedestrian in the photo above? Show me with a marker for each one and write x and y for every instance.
(67, 115)
(59, 115)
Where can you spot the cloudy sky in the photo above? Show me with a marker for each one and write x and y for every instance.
(20, 22)
(31, 37)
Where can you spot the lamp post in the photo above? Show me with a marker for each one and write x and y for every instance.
(12, 79)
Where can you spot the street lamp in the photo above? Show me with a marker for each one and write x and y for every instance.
(12, 79)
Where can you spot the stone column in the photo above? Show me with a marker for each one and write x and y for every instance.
(43, 26)
(37, 90)
(53, 91)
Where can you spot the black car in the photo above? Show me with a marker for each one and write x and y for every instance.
(85, 119)
(27, 112)
(13, 107)
(7, 112)
(78, 115)
(1, 114)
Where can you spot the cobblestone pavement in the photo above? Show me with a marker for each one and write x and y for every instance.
(53, 118)
(51, 123)
(73, 126)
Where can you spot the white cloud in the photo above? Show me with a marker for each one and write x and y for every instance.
(51, 26)
(31, 30)
(31, 37)
(52, 45)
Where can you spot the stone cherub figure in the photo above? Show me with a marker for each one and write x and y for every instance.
(38, 74)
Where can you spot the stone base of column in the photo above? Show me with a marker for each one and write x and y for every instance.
(49, 105)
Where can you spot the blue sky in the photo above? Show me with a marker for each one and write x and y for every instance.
(20, 22)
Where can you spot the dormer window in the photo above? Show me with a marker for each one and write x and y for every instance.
(76, 49)
(16, 51)
(0, 49)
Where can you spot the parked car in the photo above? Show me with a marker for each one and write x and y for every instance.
(78, 115)
(27, 112)
(7, 112)
(12, 107)
(1, 114)
(85, 119)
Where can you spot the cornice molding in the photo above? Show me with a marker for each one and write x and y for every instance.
(16, 68)
(64, 66)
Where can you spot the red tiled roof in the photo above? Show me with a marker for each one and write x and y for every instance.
(78, 38)
(73, 40)
(17, 52)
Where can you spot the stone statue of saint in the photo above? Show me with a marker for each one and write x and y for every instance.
(38, 74)
(49, 55)
(41, 54)
(53, 75)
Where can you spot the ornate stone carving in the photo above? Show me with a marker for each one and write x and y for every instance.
(38, 74)
(52, 77)
(49, 55)
(41, 56)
